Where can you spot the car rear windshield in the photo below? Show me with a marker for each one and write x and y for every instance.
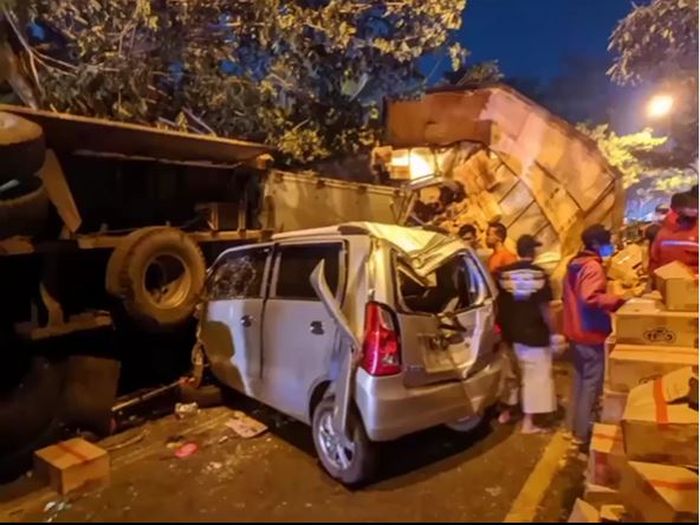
(454, 286)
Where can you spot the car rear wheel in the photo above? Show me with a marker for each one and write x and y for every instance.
(467, 424)
(352, 463)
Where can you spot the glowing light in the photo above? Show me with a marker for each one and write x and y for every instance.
(412, 164)
(659, 106)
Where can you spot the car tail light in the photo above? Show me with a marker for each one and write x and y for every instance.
(381, 350)
(497, 330)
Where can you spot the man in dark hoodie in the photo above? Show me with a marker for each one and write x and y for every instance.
(587, 308)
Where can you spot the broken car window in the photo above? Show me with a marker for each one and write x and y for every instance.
(238, 276)
(449, 288)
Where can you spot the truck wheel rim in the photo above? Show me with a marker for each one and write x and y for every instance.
(338, 456)
(167, 280)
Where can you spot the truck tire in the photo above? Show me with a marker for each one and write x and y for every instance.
(24, 208)
(22, 147)
(158, 274)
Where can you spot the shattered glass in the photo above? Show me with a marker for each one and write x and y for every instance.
(236, 278)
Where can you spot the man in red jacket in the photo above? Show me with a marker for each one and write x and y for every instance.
(678, 239)
(587, 308)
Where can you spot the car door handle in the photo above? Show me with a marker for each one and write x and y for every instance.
(246, 320)
(316, 327)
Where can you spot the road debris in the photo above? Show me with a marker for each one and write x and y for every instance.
(186, 410)
(245, 426)
(213, 466)
(128, 442)
(174, 442)
(186, 450)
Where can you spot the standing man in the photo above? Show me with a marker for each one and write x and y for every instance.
(526, 321)
(496, 235)
(587, 308)
(468, 234)
(678, 240)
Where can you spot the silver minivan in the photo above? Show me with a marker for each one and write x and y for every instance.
(365, 331)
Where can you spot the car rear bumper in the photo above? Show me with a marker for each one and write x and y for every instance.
(390, 410)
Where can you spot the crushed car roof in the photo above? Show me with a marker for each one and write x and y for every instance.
(424, 250)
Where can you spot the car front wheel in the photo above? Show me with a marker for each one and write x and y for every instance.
(352, 463)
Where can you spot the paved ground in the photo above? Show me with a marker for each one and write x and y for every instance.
(436, 475)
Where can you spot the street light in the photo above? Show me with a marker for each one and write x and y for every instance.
(659, 106)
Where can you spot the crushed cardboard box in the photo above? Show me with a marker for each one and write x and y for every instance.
(72, 464)
(658, 425)
(633, 365)
(606, 458)
(659, 493)
(678, 286)
(598, 495)
(584, 513)
(613, 406)
(646, 322)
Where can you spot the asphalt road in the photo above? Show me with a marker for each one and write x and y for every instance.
(437, 475)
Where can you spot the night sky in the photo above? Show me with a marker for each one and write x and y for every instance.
(532, 37)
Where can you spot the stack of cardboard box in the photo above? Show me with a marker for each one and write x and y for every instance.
(644, 455)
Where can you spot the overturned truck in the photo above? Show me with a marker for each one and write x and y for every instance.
(513, 160)
(106, 231)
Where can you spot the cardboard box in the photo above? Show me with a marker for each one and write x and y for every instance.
(606, 458)
(633, 365)
(613, 406)
(612, 513)
(598, 495)
(658, 425)
(583, 513)
(71, 464)
(659, 493)
(646, 322)
(610, 343)
(678, 286)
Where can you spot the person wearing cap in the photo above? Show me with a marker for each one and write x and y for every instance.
(526, 322)
(677, 240)
(587, 324)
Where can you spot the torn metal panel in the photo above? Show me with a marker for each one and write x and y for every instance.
(528, 155)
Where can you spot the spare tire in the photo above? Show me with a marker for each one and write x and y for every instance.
(158, 273)
(22, 147)
(24, 208)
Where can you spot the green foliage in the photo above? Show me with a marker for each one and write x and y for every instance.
(307, 76)
(657, 44)
(629, 153)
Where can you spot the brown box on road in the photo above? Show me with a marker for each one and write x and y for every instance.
(659, 493)
(613, 406)
(633, 365)
(678, 286)
(606, 458)
(646, 322)
(658, 425)
(71, 464)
